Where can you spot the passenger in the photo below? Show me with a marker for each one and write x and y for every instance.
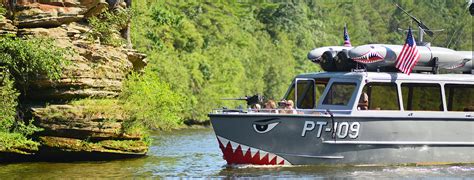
(363, 102)
(289, 107)
(270, 107)
(256, 107)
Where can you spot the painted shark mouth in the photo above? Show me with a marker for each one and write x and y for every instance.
(369, 57)
(460, 65)
(235, 153)
(316, 60)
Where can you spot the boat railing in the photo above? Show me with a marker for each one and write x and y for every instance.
(278, 111)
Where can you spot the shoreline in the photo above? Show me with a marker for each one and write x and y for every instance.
(45, 154)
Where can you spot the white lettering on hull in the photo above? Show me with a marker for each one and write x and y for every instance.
(307, 128)
(343, 129)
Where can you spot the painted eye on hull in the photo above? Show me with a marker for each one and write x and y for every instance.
(264, 128)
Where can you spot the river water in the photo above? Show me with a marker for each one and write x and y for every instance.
(195, 154)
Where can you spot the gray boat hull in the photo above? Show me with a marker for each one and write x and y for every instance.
(287, 139)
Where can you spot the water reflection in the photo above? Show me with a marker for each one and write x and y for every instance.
(195, 153)
(112, 169)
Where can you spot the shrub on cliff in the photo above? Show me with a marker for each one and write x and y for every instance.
(8, 104)
(106, 26)
(22, 60)
(29, 58)
(150, 103)
(13, 133)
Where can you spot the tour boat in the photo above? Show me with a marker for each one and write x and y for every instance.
(356, 118)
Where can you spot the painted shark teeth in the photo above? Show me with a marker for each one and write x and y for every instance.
(233, 145)
(235, 153)
(461, 64)
(369, 57)
(253, 152)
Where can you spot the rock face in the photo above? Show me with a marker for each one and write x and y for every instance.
(107, 146)
(53, 13)
(79, 128)
(6, 26)
(96, 72)
(43, 15)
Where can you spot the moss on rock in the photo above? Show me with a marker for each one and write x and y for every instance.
(17, 143)
(107, 146)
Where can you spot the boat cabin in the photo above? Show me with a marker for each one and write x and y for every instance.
(362, 92)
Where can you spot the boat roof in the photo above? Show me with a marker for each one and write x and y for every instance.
(392, 76)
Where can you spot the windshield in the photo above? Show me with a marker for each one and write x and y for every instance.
(339, 94)
(308, 92)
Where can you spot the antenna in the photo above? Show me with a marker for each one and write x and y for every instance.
(421, 26)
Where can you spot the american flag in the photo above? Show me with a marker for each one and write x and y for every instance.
(409, 55)
(347, 41)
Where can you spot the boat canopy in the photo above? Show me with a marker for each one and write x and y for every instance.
(358, 91)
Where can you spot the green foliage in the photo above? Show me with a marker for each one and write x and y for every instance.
(26, 59)
(164, 17)
(151, 103)
(8, 104)
(13, 133)
(3, 11)
(207, 51)
(106, 26)
(108, 108)
(17, 143)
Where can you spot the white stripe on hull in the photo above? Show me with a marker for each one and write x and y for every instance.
(401, 143)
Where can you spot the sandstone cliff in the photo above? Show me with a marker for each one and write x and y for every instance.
(96, 73)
